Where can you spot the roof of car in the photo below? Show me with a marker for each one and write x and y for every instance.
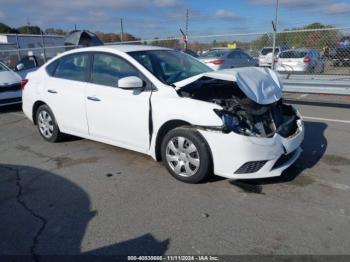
(122, 48)
(298, 50)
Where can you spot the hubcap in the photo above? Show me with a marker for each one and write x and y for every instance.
(182, 156)
(45, 124)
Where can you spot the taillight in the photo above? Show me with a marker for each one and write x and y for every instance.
(307, 59)
(23, 83)
(217, 62)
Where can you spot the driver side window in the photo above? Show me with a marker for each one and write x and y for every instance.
(108, 69)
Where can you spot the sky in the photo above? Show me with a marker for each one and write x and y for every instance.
(163, 18)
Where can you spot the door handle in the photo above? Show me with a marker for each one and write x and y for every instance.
(52, 91)
(92, 98)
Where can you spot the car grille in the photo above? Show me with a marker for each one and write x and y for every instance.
(283, 159)
(251, 167)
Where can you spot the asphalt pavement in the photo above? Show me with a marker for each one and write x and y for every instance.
(84, 197)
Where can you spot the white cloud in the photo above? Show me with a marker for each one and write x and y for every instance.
(337, 8)
(166, 3)
(289, 3)
(227, 15)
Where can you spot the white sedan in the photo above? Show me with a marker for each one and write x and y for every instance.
(166, 104)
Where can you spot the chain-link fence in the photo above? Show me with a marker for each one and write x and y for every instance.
(323, 51)
(309, 51)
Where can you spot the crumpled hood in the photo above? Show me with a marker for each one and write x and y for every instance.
(262, 85)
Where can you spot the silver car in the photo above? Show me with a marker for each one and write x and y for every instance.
(223, 58)
(302, 60)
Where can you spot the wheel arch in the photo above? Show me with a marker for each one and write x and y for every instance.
(36, 105)
(172, 124)
(163, 130)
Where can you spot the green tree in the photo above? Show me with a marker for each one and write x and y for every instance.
(55, 31)
(28, 29)
(264, 40)
(5, 29)
(314, 39)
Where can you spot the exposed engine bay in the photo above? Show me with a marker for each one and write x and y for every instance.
(241, 114)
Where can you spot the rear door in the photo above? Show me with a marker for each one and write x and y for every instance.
(65, 92)
(247, 60)
(234, 59)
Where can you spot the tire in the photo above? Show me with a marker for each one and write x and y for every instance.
(47, 125)
(189, 163)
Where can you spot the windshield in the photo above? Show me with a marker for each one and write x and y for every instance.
(3, 68)
(215, 53)
(268, 50)
(292, 54)
(170, 66)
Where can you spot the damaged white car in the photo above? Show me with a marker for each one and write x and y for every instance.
(164, 103)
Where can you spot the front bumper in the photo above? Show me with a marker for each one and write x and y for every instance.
(231, 151)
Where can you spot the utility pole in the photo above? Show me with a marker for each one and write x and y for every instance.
(274, 25)
(186, 30)
(121, 30)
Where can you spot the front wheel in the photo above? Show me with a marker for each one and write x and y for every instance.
(186, 155)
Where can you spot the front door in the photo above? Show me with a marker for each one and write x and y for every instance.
(114, 114)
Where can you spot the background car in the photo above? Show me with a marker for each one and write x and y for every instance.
(26, 65)
(341, 54)
(224, 58)
(10, 86)
(265, 56)
(300, 60)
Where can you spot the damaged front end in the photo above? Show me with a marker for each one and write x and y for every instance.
(250, 112)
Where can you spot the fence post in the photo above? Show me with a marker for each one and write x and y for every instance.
(43, 45)
(18, 48)
(274, 24)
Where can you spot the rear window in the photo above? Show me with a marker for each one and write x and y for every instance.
(72, 67)
(215, 53)
(50, 68)
(268, 50)
(292, 54)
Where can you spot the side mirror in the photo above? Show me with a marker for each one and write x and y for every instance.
(130, 82)
(19, 67)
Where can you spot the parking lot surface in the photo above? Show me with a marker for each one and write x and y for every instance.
(84, 197)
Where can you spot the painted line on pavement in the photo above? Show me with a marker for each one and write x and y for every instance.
(327, 119)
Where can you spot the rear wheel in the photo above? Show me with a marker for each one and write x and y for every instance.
(186, 155)
(47, 125)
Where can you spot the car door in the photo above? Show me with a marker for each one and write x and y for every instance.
(26, 65)
(116, 115)
(65, 92)
(234, 59)
(247, 60)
